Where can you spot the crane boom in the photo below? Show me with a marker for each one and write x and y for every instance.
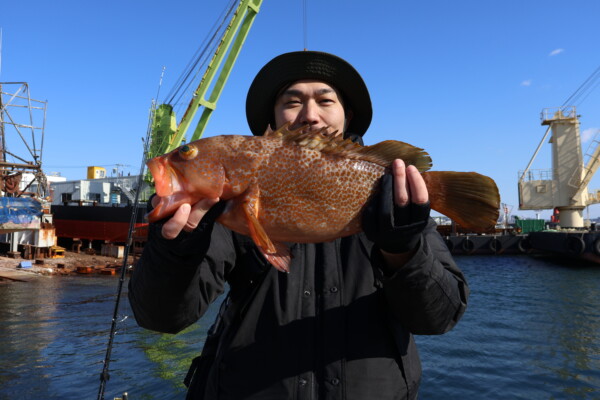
(166, 135)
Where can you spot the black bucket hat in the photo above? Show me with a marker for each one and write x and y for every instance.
(291, 67)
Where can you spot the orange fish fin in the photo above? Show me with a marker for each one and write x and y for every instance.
(280, 259)
(269, 131)
(283, 131)
(470, 199)
(275, 253)
(383, 153)
(319, 140)
(257, 232)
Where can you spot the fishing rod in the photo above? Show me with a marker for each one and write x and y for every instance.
(104, 376)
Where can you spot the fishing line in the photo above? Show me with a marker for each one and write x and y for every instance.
(305, 23)
(104, 376)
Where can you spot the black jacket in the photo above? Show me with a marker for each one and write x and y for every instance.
(333, 328)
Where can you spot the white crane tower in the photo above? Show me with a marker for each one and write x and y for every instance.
(564, 187)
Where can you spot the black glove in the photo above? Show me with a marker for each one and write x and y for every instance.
(393, 229)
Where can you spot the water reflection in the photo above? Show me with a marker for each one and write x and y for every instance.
(28, 326)
(570, 321)
(532, 331)
(171, 354)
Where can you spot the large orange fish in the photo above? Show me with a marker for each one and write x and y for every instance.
(306, 187)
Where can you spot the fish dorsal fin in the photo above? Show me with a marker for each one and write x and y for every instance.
(318, 140)
(383, 153)
(268, 131)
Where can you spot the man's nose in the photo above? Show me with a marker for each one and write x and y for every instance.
(310, 114)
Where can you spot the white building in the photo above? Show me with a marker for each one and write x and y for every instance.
(113, 191)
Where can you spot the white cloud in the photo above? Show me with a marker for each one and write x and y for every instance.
(556, 52)
(526, 83)
(588, 134)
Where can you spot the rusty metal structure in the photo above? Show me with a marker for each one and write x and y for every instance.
(24, 118)
(25, 220)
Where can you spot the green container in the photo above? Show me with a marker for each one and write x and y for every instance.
(531, 225)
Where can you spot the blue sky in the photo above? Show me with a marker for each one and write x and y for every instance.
(466, 80)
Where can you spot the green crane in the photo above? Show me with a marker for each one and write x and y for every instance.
(166, 135)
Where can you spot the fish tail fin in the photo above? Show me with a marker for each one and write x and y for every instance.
(470, 199)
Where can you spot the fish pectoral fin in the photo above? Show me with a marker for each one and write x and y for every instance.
(277, 254)
(257, 232)
(280, 259)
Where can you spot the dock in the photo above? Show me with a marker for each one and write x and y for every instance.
(17, 275)
(489, 244)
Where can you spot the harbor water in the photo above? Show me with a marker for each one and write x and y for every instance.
(531, 331)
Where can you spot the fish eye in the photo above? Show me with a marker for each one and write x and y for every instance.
(187, 151)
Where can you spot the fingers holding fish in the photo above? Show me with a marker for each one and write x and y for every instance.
(198, 212)
(409, 186)
(418, 188)
(400, 188)
(186, 218)
(174, 225)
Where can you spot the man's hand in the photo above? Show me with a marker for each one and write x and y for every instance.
(409, 186)
(186, 218)
(395, 217)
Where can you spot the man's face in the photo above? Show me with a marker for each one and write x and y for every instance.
(313, 103)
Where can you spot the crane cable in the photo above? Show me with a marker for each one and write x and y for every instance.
(584, 89)
(200, 58)
(206, 45)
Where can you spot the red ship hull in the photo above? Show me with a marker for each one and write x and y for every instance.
(109, 224)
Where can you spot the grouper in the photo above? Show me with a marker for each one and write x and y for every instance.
(305, 186)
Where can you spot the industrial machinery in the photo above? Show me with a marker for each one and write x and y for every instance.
(24, 192)
(166, 134)
(564, 188)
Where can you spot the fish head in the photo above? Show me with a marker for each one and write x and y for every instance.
(188, 174)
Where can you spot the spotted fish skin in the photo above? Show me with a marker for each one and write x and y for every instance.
(301, 194)
(304, 187)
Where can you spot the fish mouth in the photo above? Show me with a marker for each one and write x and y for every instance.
(168, 188)
(166, 180)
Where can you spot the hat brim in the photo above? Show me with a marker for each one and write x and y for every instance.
(291, 67)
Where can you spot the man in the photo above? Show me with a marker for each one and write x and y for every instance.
(340, 324)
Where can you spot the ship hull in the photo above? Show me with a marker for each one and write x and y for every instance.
(109, 224)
